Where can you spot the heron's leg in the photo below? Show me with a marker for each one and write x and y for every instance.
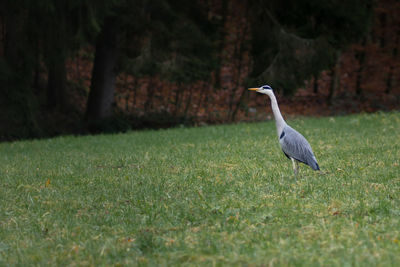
(295, 166)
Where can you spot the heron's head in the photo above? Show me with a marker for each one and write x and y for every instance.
(265, 89)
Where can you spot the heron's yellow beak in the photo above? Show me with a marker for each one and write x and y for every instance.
(253, 89)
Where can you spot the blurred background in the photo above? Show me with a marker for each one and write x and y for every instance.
(85, 66)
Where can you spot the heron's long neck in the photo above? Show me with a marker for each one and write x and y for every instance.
(280, 122)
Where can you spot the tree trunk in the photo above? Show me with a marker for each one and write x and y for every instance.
(221, 46)
(231, 113)
(10, 39)
(36, 77)
(335, 80)
(315, 84)
(178, 93)
(188, 103)
(361, 61)
(238, 54)
(15, 53)
(383, 22)
(101, 96)
(135, 85)
(202, 95)
(148, 105)
(56, 84)
(389, 79)
(239, 102)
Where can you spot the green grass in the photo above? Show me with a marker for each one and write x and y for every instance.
(218, 195)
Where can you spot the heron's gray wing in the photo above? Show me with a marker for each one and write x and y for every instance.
(296, 146)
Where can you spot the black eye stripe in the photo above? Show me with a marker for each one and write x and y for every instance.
(266, 87)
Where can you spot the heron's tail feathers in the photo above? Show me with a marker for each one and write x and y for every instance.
(317, 167)
(314, 165)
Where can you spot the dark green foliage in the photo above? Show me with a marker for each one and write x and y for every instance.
(17, 102)
(168, 42)
(174, 39)
(294, 40)
(168, 38)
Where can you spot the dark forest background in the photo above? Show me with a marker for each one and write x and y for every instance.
(83, 66)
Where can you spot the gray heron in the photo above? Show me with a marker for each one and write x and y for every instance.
(293, 144)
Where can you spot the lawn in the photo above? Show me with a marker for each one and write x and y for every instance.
(216, 195)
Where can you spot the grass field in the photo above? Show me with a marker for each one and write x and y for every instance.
(217, 195)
